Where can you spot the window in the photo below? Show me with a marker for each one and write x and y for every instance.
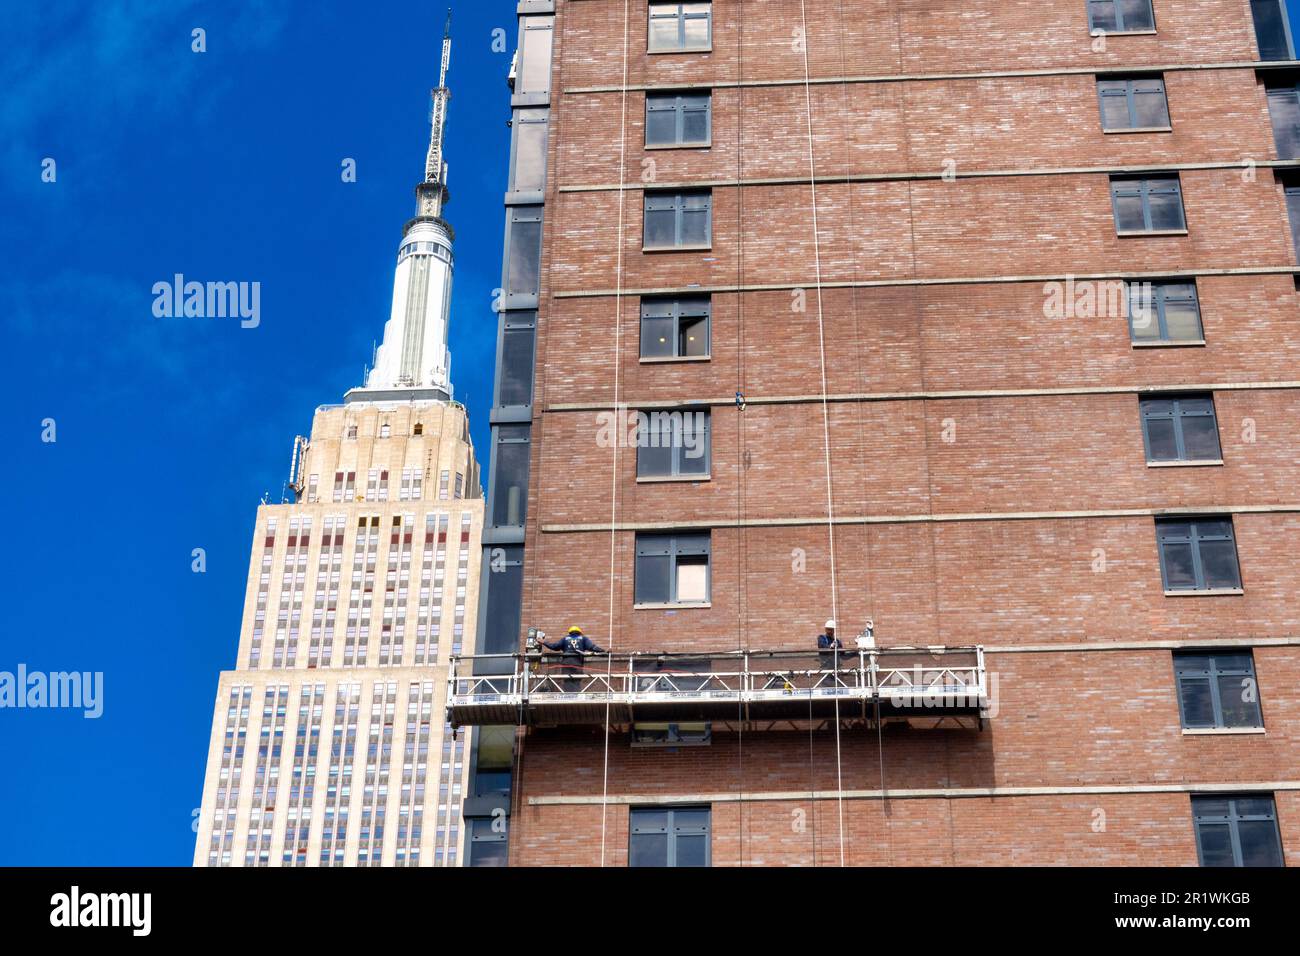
(534, 69)
(678, 119)
(1198, 554)
(494, 760)
(509, 475)
(1272, 29)
(675, 328)
(503, 576)
(678, 219)
(1154, 204)
(528, 168)
(419, 429)
(1237, 830)
(523, 249)
(1133, 103)
(672, 735)
(487, 844)
(1180, 428)
(672, 568)
(1293, 211)
(673, 444)
(515, 366)
(1217, 690)
(669, 836)
(1120, 16)
(1284, 114)
(680, 26)
(1164, 312)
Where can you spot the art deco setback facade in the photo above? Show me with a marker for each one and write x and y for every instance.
(329, 743)
(988, 317)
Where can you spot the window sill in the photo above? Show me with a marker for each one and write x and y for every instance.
(1207, 731)
(1122, 33)
(1138, 129)
(706, 145)
(683, 49)
(708, 247)
(655, 479)
(1170, 344)
(1188, 463)
(664, 359)
(670, 606)
(1129, 234)
(1208, 592)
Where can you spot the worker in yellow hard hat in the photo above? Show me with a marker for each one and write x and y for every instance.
(574, 645)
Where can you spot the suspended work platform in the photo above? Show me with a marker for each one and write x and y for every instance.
(550, 689)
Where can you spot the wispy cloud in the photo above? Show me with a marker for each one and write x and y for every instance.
(97, 331)
(82, 67)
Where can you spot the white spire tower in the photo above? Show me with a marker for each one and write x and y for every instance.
(413, 361)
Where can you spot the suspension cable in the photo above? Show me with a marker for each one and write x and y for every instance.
(619, 430)
(742, 534)
(826, 428)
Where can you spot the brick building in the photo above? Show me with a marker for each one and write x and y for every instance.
(979, 322)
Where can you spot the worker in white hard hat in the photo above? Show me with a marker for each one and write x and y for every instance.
(829, 647)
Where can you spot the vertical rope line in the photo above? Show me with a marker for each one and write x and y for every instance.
(620, 432)
(812, 782)
(826, 428)
(845, 100)
(742, 563)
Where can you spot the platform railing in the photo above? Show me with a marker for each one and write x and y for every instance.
(900, 676)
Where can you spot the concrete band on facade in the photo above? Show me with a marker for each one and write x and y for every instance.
(1077, 646)
(929, 396)
(723, 522)
(910, 794)
(940, 77)
(956, 173)
(941, 280)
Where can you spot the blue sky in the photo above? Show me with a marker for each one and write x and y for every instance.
(223, 166)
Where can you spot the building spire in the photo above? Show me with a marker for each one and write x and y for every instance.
(433, 191)
(413, 362)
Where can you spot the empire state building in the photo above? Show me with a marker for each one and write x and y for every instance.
(329, 744)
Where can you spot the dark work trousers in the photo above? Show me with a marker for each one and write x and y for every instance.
(572, 665)
(828, 662)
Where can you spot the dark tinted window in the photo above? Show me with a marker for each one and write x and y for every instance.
(1197, 554)
(1180, 428)
(1237, 830)
(676, 836)
(1217, 690)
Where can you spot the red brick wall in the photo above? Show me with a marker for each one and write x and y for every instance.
(1120, 715)
(1065, 719)
(874, 128)
(937, 338)
(991, 582)
(891, 458)
(755, 39)
(968, 228)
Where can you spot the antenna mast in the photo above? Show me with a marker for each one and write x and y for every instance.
(435, 167)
